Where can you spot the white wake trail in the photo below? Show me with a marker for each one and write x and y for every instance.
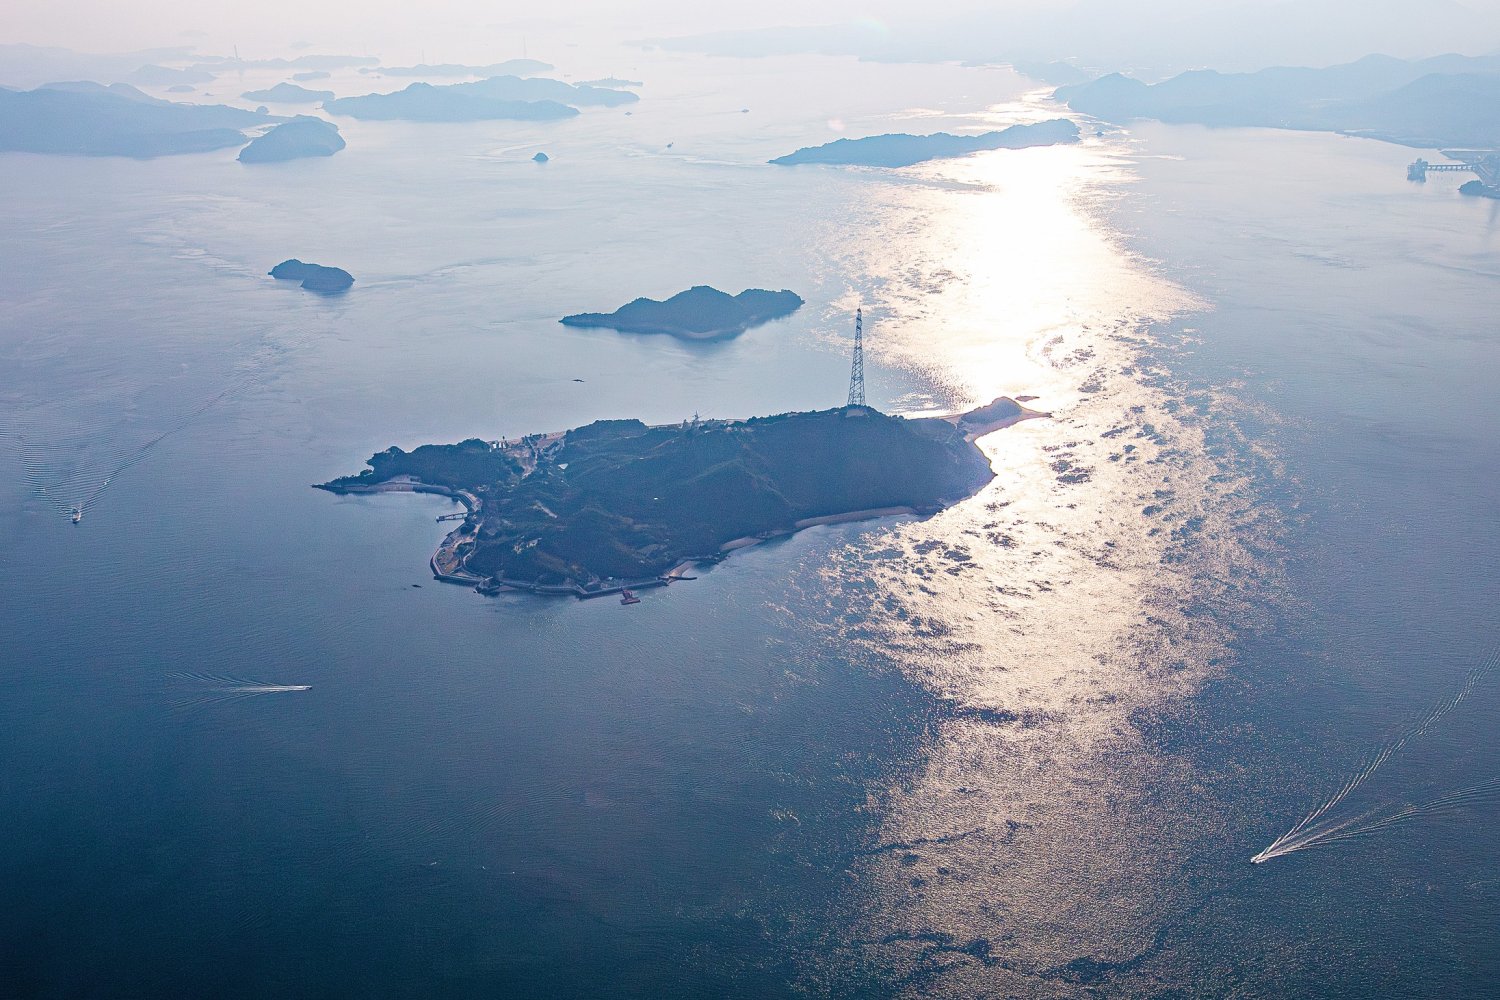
(1310, 831)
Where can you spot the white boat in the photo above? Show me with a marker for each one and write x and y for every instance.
(77, 514)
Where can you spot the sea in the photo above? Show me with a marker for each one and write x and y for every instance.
(1234, 598)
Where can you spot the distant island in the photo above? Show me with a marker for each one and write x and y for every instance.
(423, 102)
(88, 119)
(700, 313)
(1478, 189)
(617, 503)
(301, 137)
(314, 277)
(311, 61)
(512, 67)
(902, 150)
(499, 97)
(163, 76)
(514, 88)
(612, 82)
(288, 93)
(1428, 103)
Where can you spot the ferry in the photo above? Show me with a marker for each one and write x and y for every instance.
(628, 597)
(77, 514)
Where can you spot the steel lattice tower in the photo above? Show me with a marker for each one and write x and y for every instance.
(857, 370)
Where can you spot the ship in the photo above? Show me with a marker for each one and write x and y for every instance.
(628, 597)
(77, 514)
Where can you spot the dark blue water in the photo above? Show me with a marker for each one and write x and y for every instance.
(1026, 747)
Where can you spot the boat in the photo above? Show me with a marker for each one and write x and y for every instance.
(77, 514)
(628, 597)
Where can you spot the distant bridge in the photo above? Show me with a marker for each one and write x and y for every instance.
(1484, 163)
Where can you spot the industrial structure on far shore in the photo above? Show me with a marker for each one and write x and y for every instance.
(1485, 163)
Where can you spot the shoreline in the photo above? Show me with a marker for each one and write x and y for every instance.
(448, 566)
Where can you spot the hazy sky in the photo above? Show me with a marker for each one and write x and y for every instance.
(483, 30)
(456, 30)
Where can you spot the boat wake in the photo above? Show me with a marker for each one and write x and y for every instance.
(194, 690)
(75, 493)
(1323, 827)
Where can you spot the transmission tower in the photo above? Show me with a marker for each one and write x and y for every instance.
(857, 370)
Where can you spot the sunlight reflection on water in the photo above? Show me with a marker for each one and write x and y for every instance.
(1083, 586)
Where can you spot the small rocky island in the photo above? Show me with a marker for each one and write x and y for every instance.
(301, 137)
(314, 277)
(902, 150)
(700, 313)
(617, 503)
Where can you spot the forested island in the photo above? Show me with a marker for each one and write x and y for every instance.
(902, 150)
(618, 501)
(700, 313)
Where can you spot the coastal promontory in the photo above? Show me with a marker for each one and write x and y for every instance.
(314, 277)
(902, 150)
(700, 313)
(617, 500)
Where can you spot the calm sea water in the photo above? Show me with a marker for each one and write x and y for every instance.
(1026, 747)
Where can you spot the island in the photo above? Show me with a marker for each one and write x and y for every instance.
(1449, 100)
(540, 158)
(314, 277)
(301, 137)
(617, 503)
(163, 76)
(514, 88)
(89, 119)
(700, 313)
(515, 67)
(902, 150)
(288, 93)
(423, 102)
(1478, 189)
(613, 82)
